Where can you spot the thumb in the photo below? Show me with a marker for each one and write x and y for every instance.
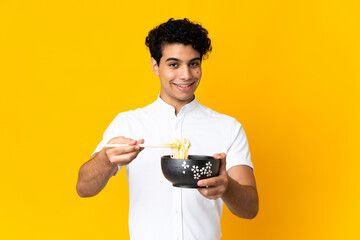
(222, 157)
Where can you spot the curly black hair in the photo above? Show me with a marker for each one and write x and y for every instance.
(178, 31)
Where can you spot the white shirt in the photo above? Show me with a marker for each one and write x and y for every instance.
(158, 210)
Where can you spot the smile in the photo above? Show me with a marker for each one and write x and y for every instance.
(185, 88)
(184, 85)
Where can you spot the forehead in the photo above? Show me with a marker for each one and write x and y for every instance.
(179, 50)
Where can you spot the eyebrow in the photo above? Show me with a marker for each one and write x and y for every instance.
(176, 59)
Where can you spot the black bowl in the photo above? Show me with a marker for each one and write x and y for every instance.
(187, 172)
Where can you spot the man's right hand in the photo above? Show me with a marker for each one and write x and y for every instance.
(123, 155)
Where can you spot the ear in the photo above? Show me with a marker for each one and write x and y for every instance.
(154, 66)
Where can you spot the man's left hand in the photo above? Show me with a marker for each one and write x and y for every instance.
(215, 186)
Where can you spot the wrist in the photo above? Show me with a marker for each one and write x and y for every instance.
(105, 159)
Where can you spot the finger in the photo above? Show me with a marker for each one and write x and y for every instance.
(211, 182)
(211, 193)
(222, 170)
(122, 150)
(140, 141)
(122, 140)
(124, 158)
(222, 157)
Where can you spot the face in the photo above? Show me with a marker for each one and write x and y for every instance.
(179, 72)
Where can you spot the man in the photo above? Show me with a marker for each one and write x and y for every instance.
(157, 209)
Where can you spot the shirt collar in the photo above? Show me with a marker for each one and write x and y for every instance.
(165, 107)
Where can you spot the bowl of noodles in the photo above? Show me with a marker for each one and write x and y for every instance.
(184, 170)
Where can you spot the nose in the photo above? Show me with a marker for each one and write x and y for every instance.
(185, 73)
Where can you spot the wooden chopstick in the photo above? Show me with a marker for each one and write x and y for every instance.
(166, 145)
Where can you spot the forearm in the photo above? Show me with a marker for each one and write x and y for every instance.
(94, 175)
(241, 200)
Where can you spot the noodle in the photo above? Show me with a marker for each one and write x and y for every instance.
(180, 150)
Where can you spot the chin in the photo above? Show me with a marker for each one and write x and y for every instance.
(186, 98)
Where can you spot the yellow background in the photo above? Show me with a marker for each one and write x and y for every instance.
(287, 70)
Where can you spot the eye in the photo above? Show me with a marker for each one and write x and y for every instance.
(194, 64)
(173, 65)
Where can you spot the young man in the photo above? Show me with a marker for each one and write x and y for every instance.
(157, 209)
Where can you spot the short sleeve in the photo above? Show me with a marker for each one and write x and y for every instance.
(114, 130)
(238, 152)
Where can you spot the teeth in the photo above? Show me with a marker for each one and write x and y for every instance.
(181, 85)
